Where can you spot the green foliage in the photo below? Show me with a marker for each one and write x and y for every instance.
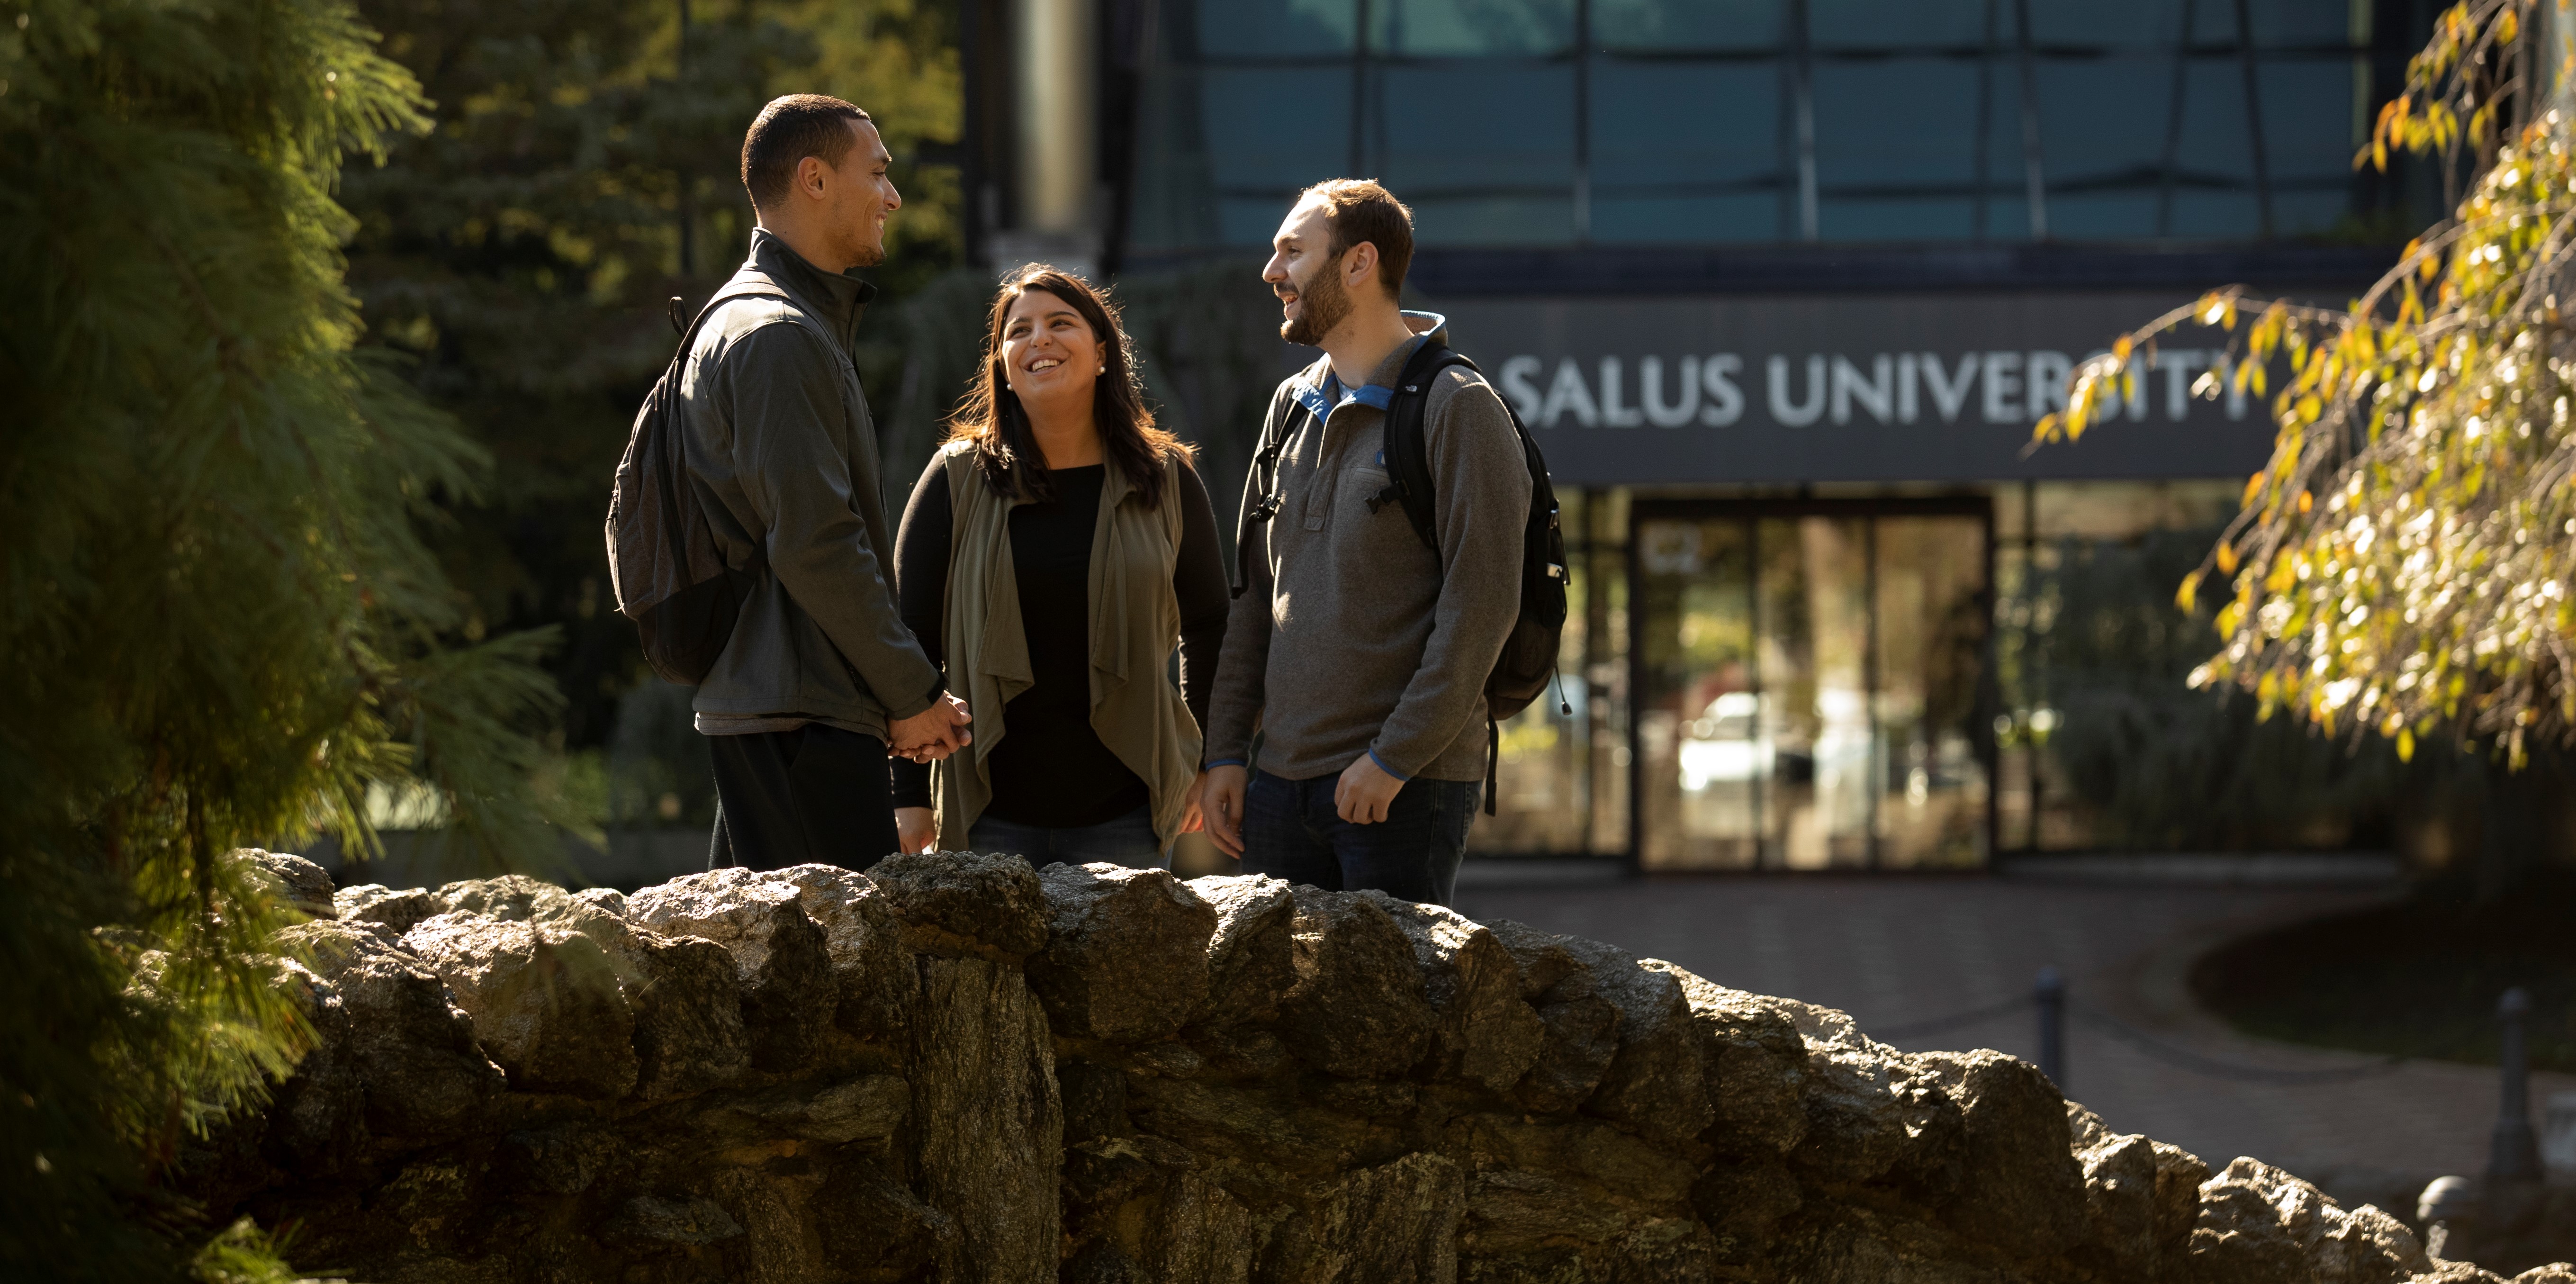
(583, 170)
(2168, 768)
(2403, 562)
(242, 1254)
(220, 624)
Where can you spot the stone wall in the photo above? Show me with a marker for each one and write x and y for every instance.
(956, 1068)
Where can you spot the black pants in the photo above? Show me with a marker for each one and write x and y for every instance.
(816, 795)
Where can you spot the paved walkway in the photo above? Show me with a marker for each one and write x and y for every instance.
(1896, 951)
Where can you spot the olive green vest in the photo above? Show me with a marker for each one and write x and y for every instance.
(1135, 622)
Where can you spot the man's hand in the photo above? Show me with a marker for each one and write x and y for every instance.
(932, 734)
(1365, 791)
(914, 829)
(1221, 803)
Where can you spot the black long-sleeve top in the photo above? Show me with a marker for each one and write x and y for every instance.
(1052, 770)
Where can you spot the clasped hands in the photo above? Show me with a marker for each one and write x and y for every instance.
(932, 734)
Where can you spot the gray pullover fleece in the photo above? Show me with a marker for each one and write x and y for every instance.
(779, 435)
(1351, 637)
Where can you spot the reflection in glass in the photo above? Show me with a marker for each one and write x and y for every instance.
(1931, 574)
(1562, 777)
(1664, 26)
(1471, 28)
(1276, 28)
(1702, 121)
(1811, 691)
(1705, 759)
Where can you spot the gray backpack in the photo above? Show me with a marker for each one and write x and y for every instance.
(663, 564)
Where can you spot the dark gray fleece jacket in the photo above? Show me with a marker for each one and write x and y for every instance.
(780, 438)
(1351, 636)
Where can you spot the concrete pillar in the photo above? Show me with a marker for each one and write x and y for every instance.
(1055, 109)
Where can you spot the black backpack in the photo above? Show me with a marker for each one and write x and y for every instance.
(1527, 664)
(663, 564)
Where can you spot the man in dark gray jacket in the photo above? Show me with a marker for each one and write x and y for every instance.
(820, 676)
(1356, 651)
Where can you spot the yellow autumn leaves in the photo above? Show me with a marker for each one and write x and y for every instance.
(2403, 561)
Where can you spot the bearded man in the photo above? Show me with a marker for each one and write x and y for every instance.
(1357, 648)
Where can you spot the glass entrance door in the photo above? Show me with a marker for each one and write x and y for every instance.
(1809, 686)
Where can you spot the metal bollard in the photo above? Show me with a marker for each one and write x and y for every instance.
(2515, 1153)
(2051, 995)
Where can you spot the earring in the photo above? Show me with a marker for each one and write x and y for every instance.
(1104, 369)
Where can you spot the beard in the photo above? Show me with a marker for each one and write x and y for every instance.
(863, 254)
(1322, 305)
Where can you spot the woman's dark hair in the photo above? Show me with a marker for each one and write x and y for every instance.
(991, 421)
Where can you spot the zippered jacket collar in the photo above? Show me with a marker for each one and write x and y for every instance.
(838, 299)
(1321, 392)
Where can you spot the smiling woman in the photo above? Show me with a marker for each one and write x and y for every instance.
(1057, 483)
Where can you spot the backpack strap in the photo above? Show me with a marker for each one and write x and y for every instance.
(1408, 466)
(1275, 432)
(1408, 452)
(672, 478)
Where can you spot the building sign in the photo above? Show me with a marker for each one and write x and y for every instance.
(1850, 388)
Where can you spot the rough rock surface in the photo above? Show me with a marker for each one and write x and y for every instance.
(1358, 1008)
(1483, 1032)
(955, 1068)
(298, 883)
(779, 952)
(1126, 955)
(544, 1003)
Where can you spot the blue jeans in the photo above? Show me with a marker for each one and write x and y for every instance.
(1291, 831)
(1127, 840)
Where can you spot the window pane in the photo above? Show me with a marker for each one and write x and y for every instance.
(1896, 149)
(1275, 28)
(1216, 168)
(1687, 24)
(1471, 28)
(2298, 22)
(2203, 215)
(1896, 219)
(1493, 220)
(1902, 24)
(2307, 118)
(1812, 720)
(1473, 130)
(1175, 202)
(1640, 162)
(1252, 150)
(1931, 580)
(1904, 123)
(1699, 710)
(2297, 212)
(1674, 220)
(2137, 24)
(2217, 148)
(2102, 135)
(2134, 25)
(1250, 221)
(2308, 132)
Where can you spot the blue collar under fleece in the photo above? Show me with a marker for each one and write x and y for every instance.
(1322, 400)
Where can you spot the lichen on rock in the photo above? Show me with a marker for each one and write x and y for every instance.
(956, 1068)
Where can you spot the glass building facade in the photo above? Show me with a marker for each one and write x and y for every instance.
(1654, 122)
(1780, 287)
